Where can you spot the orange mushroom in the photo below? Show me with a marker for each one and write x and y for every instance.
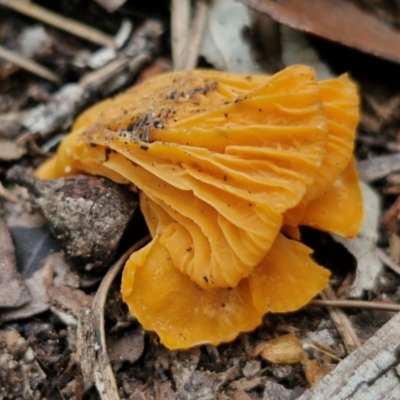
(220, 161)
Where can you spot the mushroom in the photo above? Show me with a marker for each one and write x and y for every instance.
(221, 161)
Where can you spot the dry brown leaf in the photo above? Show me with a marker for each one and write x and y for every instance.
(339, 21)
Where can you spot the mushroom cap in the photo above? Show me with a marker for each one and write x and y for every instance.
(183, 314)
(224, 160)
(340, 209)
(341, 104)
(221, 161)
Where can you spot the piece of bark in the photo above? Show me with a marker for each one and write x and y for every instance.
(369, 373)
(13, 290)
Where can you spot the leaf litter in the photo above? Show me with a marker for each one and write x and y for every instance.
(150, 376)
(13, 290)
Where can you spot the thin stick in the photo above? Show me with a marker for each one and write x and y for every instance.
(342, 323)
(370, 305)
(28, 64)
(104, 376)
(387, 260)
(321, 350)
(180, 26)
(94, 79)
(196, 35)
(69, 25)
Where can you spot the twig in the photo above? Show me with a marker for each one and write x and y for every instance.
(97, 78)
(342, 323)
(28, 64)
(104, 376)
(196, 35)
(387, 260)
(123, 33)
(180, 25)
(318, 347)
(142, 46)
(60, 22)
(371, 305)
